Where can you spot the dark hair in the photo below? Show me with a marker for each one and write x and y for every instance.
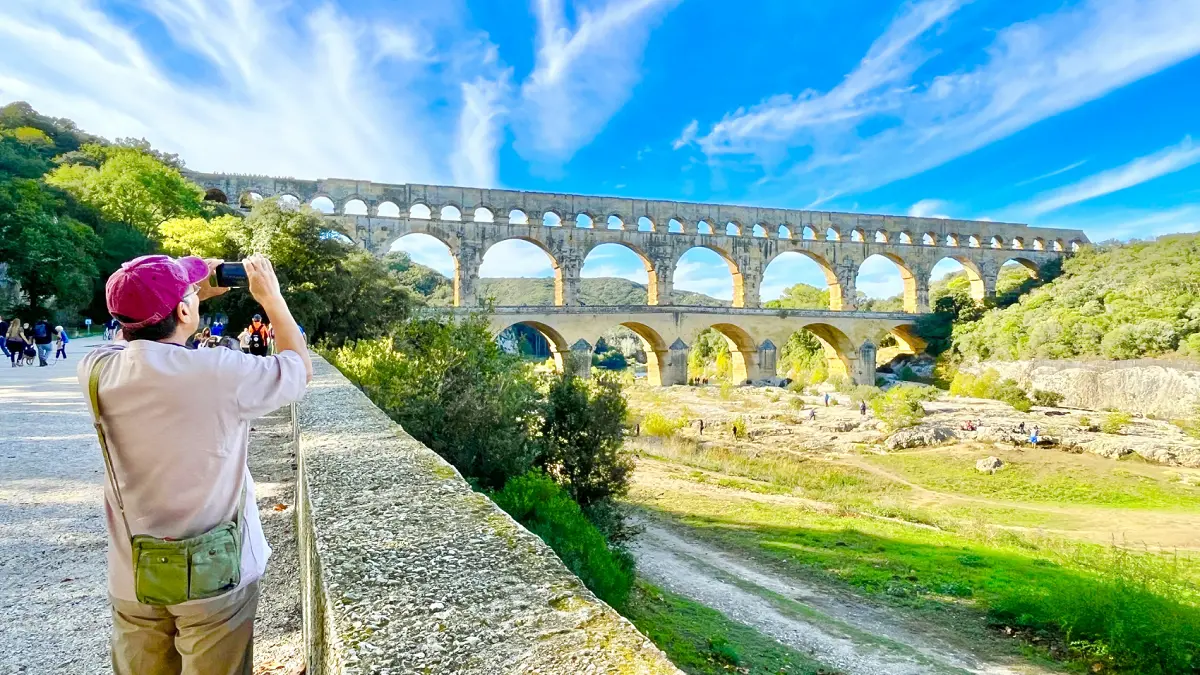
(154, 332)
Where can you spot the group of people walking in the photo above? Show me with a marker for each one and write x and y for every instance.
(22, 342)
(257, 339)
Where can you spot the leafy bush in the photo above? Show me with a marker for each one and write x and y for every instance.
(545, 508)
(1115, 422)
(1048, 399)
(989, 385)
(901, 406)
(611, 360)
(661, 426)
(582, 431)
(451, 386)
(739, 427)
(863, 392)
(723, 651)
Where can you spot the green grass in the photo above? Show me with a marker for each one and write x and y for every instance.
(702, 641)
(811, 478)
(1039, 476)
(1140, 610)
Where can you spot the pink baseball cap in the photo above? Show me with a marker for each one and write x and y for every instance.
(148, 288)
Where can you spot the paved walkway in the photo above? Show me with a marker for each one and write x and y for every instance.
(54, 615)
(53, 610)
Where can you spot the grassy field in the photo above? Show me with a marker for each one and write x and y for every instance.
(1087, 560)
(702, 641)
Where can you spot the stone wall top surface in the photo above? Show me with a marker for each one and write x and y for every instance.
(422, 574)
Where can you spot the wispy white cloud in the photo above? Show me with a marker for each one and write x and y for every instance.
(1056, 172)
(1032, 70)
(688, 136)
(480, 126)
(304, 94)
(583, 74)
(1165, 161)
(1135, 223)
(929, 208)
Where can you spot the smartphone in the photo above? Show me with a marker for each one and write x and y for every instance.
(232, 275)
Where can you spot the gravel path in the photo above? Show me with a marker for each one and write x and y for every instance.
(852, 636)
(54, 615)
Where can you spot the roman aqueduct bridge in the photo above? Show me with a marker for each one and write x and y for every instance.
(567, 227)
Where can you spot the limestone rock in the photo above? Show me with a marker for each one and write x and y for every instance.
(919, 436)
(989, 464)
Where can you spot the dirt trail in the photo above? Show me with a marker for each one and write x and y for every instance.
(842, 632)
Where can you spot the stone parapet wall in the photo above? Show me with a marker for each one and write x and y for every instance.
(406, 569)
(1164, 389)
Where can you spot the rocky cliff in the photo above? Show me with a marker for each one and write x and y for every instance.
(1164, 389)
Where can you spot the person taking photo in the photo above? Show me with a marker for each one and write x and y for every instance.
(185, 545)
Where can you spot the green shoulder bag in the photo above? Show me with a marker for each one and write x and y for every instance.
(172, 571)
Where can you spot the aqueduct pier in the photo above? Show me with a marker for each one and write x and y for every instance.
(567, 227)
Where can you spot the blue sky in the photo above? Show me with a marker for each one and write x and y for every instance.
(1076, 114)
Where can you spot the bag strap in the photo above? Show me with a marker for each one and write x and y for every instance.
(94, 395)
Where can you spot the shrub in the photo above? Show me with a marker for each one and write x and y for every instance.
(545, 508)
(1114, 422)
(1048, 399)
(656, 424)
(451, 386)
(989, 385)
(739, 427)
(863, 392)
(610, 360)
(726, 391)
(1011, 393)
(900, 407)
(582, 431)
(723, 652)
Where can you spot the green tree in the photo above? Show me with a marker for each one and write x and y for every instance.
(131, 186)
(582, 432)
(801, 296)
(213, 238)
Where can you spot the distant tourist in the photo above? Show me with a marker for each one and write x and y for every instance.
(110, 329)
(43, 336)
(1033, 437)
(244, 340)
(178, 479)
(812, 414)
(826, 399)
(259, 337)
(61, 340)
(862, 408)
(14, 341)
(3, 342)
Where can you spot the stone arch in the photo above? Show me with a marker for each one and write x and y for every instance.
(483, 215)
(881, 237)
(839, 349)
(974, 275)
(674, 225)
(857, 235)
(450, 212)
(614, 222)
(906, 336)
(739, 289)
(1018, 243)
(657, 358)
(759, 231)
(420, 211)
(906, 238)
(1057, 245)
(973, 241)
(559, 348)
(559, 286)
(808, 233)
(354, 207)
(457, 274)
(644, 224)
(1031, 266)
(929, 239)
(288, 201)
(583, 220)
(733, 229)
(996, 241)
(388, 209)
(216, 195)
(951, 239)
(907, 278)
(249, 198)
(831, 279)
(551, 219)
(703, 227)
(1039, 244)
(832, 235)
(323, 204)
(652, 289)
(743, 352)
(784, 232)
(1076, 245)
(518, 217)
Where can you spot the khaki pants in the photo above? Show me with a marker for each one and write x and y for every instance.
(214, 637)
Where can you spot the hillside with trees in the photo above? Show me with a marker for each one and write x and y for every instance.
(1113, 301)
